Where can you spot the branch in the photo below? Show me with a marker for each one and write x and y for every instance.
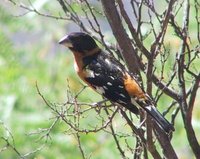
(61, 114)
(31, 8)
(190, 131)
(150, 143)
(192, 98)
(128, 52)
(80, 145)
(115, 137)
(133, 30)
(183, 102)
(159, 39)
(132, 126)
(166, 89)
(11, 144)
(164, 141)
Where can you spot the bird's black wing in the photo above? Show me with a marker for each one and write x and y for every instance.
(107, 78)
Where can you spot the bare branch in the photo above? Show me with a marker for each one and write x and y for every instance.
(132, 30)
(122, 38)
(183, 103)
(163, 139)
(80, 146)
(160, 37)
(31, 8)
(115, 137)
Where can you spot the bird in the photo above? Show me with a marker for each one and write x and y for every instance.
(107, 76)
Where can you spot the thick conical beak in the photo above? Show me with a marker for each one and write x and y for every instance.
(66, 42)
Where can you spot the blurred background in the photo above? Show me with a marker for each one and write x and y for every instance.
(30, 54)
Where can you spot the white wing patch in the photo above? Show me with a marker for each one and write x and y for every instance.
(108, 83)
(120, 86)
(97, 74)
(122, 95)
(149, 108)
(90, 73)
(108, 61)
(112, 77)
(105, 87)
(119, 68)
(100, 90)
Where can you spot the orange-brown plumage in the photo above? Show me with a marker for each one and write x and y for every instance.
(133, 88)
(79, 64)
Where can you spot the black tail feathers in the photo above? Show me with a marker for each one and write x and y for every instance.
(168, 127)
(132, 108)
(155, 114)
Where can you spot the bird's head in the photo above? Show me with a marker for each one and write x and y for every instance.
(79, 42)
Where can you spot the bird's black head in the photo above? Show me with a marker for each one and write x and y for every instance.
(78, 42)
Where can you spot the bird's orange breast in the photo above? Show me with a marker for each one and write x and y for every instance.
(79, 65)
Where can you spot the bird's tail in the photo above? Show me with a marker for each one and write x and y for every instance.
(132, 108)
(168, 127)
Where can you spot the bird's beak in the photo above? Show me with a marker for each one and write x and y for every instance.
(66, 42)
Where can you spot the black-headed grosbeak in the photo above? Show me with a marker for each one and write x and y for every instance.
(109, 77)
